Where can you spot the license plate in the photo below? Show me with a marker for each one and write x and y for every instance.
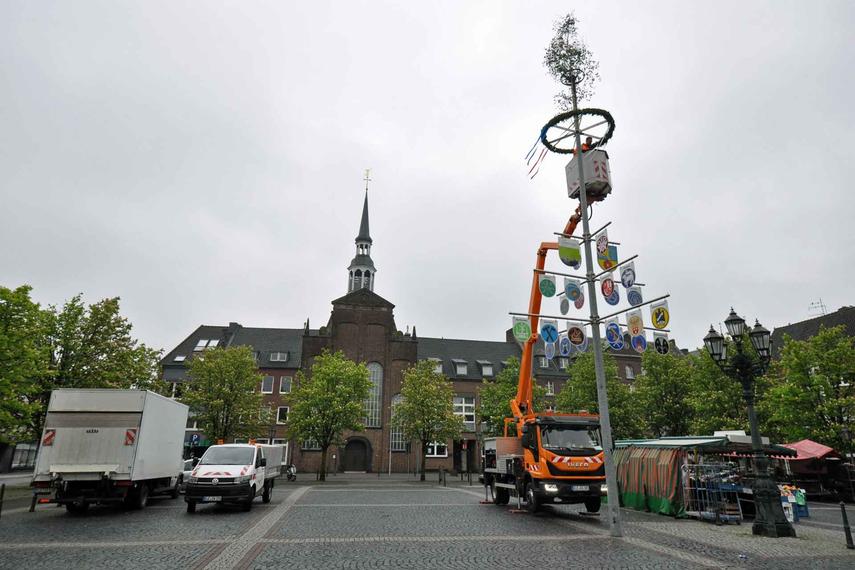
(212, 499)
(579, 487)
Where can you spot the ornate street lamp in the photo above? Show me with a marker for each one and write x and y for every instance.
(769, 518)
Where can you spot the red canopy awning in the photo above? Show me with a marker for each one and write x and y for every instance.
(807, 449)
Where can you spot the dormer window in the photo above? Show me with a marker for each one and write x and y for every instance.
(278, 357)
(486, 367)
(544, 362)
(461, 367)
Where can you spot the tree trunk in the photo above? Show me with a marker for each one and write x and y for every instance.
(322, 471)
(424, 459)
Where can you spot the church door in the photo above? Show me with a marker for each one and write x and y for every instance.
(356, 455)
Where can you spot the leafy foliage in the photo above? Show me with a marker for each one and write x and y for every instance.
(663, 391)
(23, 361)
(567, 58)
(426, 409)
(328, 402)
(496, 395)
(813, 391)
(223, 393)
(580, 393)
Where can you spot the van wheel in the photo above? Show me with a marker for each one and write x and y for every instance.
(191, 506)
(532, 503)
(247, 506)
(267, 493)
(77, 508)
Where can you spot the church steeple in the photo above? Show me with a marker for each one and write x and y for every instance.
(361, 272)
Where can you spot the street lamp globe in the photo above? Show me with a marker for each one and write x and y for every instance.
(760, 339)
(735, 325)
(714, 343)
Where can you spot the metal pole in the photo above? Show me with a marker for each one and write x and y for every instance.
(849, 544)
(602, 396)
(2, 493)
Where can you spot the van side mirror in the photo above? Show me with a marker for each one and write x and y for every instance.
(196, 461)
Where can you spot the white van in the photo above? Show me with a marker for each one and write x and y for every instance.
(234, 473)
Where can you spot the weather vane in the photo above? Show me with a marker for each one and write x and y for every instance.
(367, 178)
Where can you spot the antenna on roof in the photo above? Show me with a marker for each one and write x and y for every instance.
(817, 307)
(367, 178)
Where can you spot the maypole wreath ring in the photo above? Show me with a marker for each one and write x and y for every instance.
(595, 123)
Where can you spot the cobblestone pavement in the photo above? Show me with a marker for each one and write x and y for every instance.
(368, 524)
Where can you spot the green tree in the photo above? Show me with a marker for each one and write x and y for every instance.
(580, 393)
(813, 388)
(663, 390)
(716, 400)
(223, 393)
(567, 58)
(23, 361)
(328, 402)
(92, 347)
(426, 410)
(496, 395)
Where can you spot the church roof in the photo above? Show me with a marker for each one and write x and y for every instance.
(364, 234)
(363, 297)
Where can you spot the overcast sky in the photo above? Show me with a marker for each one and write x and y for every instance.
(204, 160)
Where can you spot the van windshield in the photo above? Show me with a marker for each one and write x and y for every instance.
(563, 437)
(228, 456)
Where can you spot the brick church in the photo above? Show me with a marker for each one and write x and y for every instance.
(362, 325)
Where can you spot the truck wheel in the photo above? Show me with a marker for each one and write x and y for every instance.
(191, 506)
(77, 508)
(532, 503)
(593, 504)
(140, 498)
(501, 496)
(173, 494)
(267, 493)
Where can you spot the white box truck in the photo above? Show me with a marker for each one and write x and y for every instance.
(234, 473)
(109, 446)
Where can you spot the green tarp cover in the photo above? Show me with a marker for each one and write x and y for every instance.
(649, 479)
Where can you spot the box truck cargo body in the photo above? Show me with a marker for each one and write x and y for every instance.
(102, 446)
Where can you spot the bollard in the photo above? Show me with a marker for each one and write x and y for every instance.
(2, 493)
(846, 528)
(33, 502)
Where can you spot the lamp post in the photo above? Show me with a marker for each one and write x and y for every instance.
(769, 518)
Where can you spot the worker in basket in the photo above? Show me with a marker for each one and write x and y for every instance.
(586, 146)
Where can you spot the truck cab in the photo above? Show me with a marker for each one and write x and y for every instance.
(557, 459)
(235, 474)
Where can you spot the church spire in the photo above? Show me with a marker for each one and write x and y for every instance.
(361, 271)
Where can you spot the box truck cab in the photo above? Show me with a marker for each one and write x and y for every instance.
(234, 473)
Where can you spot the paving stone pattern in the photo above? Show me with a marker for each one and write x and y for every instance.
(367, 524)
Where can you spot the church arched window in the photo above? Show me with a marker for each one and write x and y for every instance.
(372, 403)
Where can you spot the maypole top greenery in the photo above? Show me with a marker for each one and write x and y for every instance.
(568, 59)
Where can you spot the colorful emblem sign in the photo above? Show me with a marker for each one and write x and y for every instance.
(660, 343)
(584, 346)
(549, 350)
(602, 242)
(607, 285)
(627, 275)
(634, 296)
(659, 315)
(634, 323)
(564, 306)
(549, 331)
(547, 285)
(564, 346)
(569, 252)
(614, 298)
(580, 301)
(639, 343)
(614, 336)
(522, 329)
(576, 334)
(572, 288)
